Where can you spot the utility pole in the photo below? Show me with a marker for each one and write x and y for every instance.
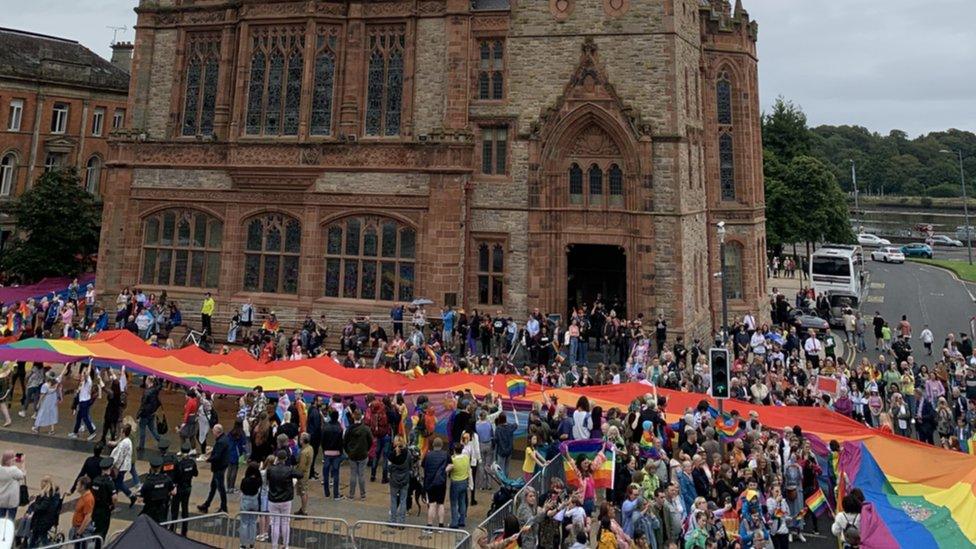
(725, 306)
(854, 180)
(965, 205)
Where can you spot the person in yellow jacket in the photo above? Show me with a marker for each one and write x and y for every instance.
(206, 312)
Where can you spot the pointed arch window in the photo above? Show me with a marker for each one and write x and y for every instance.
(384, 90)
(596, 184)
(8, 170)
(371, 258)
(275, 81)
(200, 92)
(326, 51)
(575, 184)
(726, 158)
(616, 182)
(273, 243)
(723, 98)
(181, 248)
(733, 271)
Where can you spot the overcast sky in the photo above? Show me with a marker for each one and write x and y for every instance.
(883, 64)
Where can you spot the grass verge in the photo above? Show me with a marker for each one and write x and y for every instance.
(963, 269)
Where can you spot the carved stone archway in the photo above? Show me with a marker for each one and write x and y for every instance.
(589, 129)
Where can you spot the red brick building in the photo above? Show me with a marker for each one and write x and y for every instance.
(59, 103)
(341, 156)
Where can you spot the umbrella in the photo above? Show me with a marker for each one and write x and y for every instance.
(775, 338)
(421, 301)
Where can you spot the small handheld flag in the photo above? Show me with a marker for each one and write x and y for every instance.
(817, 502)
(516, 387)
(728, 428)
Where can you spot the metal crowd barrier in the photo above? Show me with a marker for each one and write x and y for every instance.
(213, 529)
(368, 534)
(304, 531)
(540, 481)
(90, 542)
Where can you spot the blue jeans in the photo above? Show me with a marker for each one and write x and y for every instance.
(8, 512)
(249, 529)
(584, 351)
(84, 414)
(382, 451)
(573, 350)
(330, 469)
(120, 484)
(150, 424)
(459, 503)
(398, 504)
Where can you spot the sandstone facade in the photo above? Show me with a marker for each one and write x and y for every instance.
(337, 157)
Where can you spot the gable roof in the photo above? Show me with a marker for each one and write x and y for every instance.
(30, 56)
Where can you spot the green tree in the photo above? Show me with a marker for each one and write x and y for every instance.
(785, 131)
(56, 228)
(821, 213)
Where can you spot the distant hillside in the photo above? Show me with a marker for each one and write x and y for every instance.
(894, 163)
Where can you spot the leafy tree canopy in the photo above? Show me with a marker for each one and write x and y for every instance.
(56, 228)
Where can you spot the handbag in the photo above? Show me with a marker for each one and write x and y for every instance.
(162, 426)
(24, 496)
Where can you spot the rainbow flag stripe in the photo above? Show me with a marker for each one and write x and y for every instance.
(728, 428)
(595, 450)
(817, 502)
(516, 387)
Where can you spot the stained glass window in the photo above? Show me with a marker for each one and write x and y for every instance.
(200, 88)
(723, 95)
(271, 254)
(596, 182)
(616, 180)
(494, 150)
(275, 81)
(491, 273)
(575, 184)
(384, 88)
(324, 86)
(733, 270)
(370, 258)
(186, 252)
(491, 69)
(726, 158)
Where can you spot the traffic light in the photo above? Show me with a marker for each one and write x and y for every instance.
(718, 362)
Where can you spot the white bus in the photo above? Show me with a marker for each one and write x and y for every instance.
(838, 267)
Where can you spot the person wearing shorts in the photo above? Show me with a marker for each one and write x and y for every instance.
(435, 481)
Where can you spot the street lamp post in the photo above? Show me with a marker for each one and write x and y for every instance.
(854, 180)
(965, 205)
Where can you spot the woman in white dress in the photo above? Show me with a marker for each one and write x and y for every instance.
(47, 408)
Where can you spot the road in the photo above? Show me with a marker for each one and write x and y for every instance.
(928, 295)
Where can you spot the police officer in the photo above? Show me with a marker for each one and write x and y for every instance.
(186, 470)
(103, 489)
(169, 459)
(156, 489)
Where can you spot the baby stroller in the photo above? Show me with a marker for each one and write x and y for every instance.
(507, 488)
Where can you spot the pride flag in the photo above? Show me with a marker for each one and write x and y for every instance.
(728, 428)
(516, 387)
(594, 450)
(817, 502)
(648, 448)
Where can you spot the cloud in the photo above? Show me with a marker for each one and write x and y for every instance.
(882, 64)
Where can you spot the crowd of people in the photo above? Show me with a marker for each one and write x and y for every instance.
(677, 483)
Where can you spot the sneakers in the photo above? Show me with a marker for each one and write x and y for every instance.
(72, 435)
(261, 537)
(202, 508)
(22, 413)
(802, 538)
(92, 436)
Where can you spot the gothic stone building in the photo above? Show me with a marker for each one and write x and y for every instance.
(340, 156)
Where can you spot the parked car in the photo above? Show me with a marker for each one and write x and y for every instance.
(888, 254)
(916, 249)
(867, 239)
(806, 319)
(841, 301)
(945, 240)
(962, 230)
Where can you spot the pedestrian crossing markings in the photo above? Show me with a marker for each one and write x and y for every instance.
(875, 299)
(877, 285)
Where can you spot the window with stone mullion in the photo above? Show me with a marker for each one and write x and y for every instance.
(200, 92)
(271, 254)
(275, 81)
(324, 82)
(181, 248)
(370, 259)
(491, 273)
(384, 87)
(491, 79)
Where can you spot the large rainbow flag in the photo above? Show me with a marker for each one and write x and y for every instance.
(919, 495)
